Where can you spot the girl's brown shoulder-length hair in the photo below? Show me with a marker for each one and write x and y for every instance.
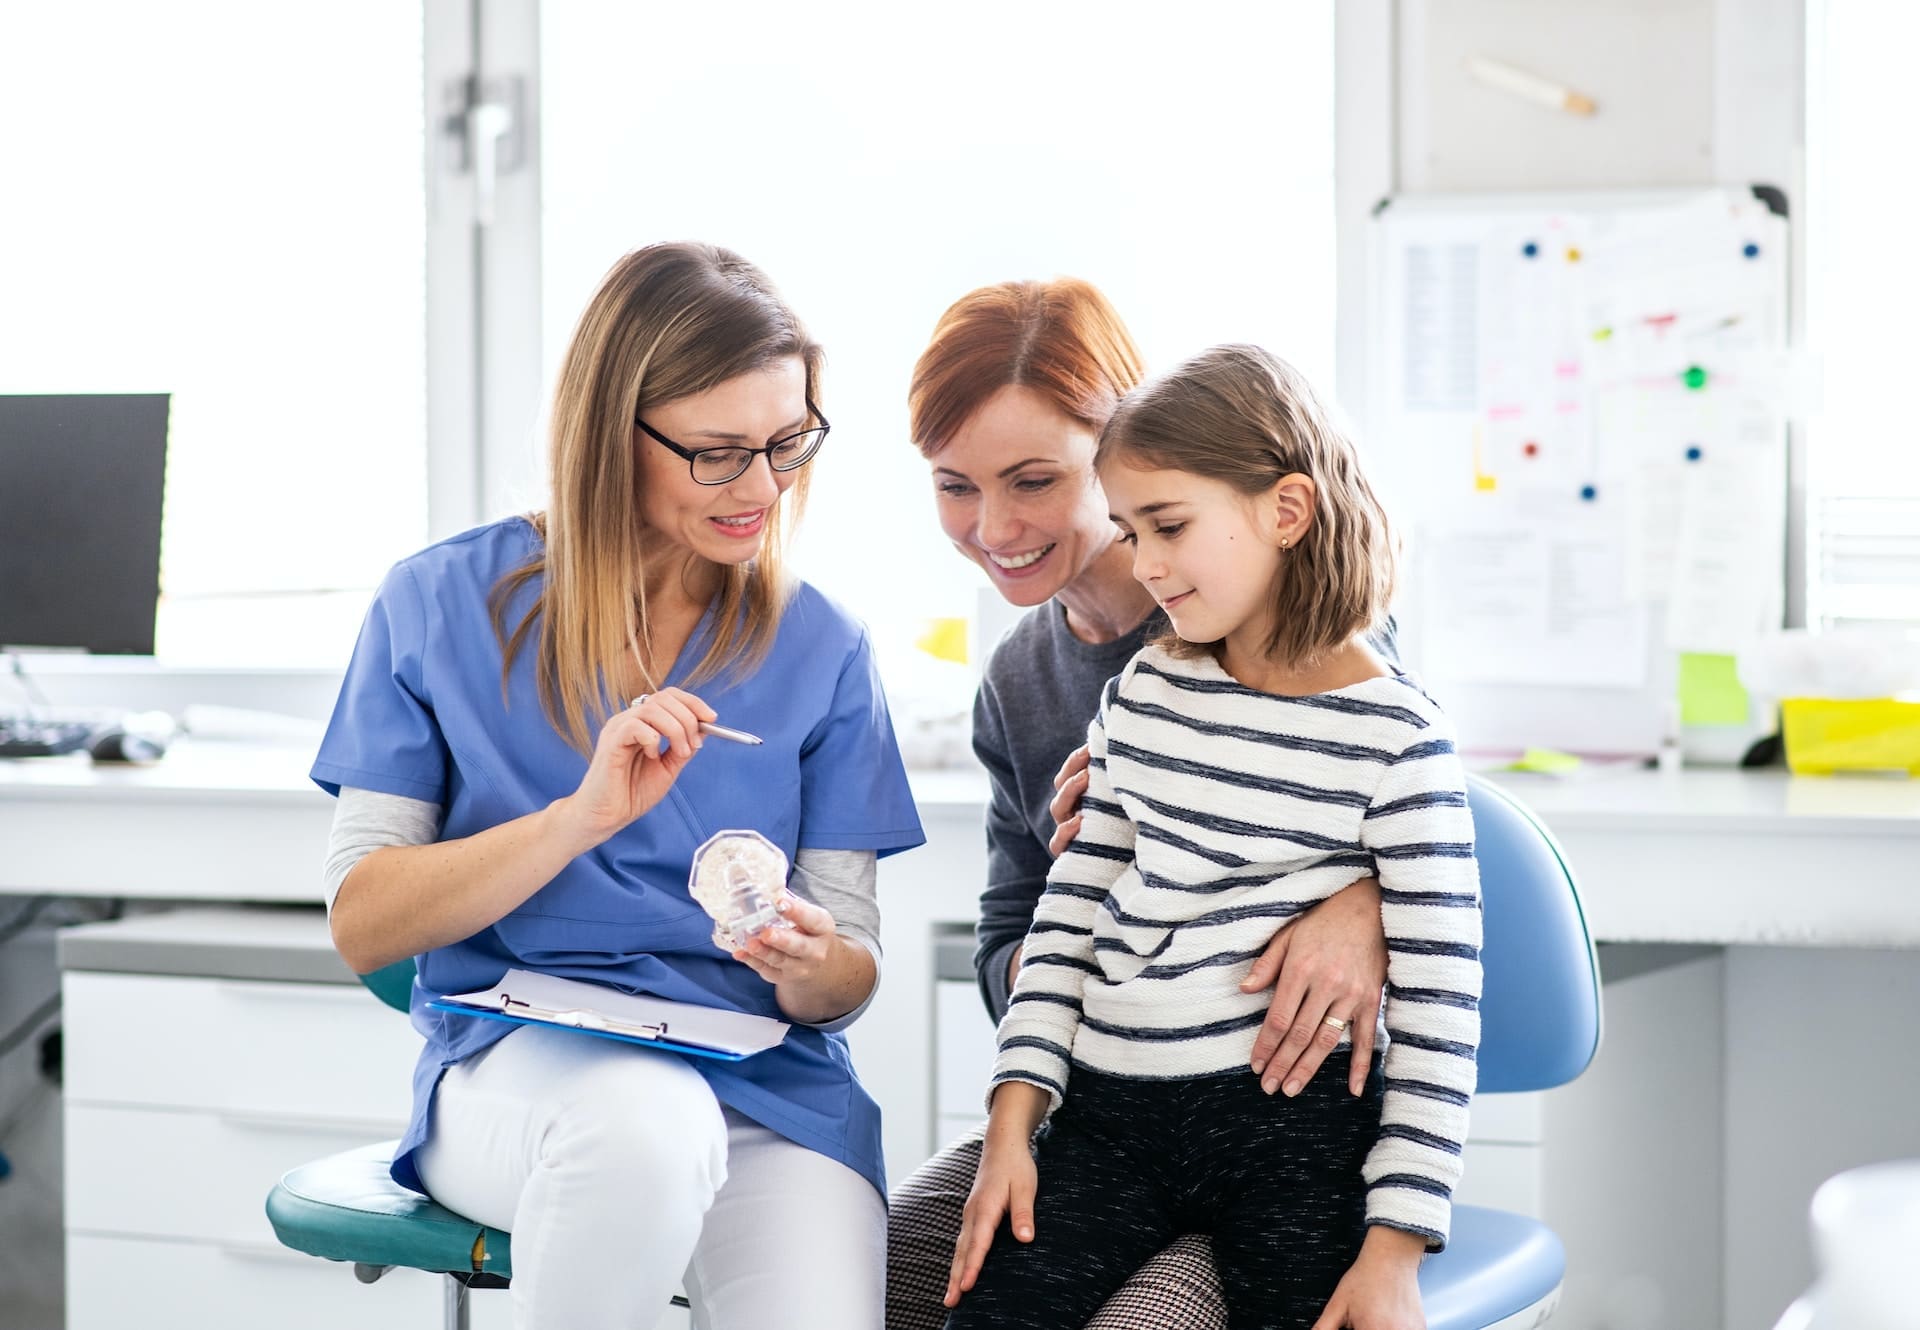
(1241, 415)
(1061, 338)
(668, 321)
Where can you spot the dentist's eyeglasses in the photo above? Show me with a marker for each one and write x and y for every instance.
(717, 466)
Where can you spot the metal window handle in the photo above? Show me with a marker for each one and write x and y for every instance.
(485, 130)
(488, 125)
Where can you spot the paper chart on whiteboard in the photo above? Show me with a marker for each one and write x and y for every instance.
(1581, 407)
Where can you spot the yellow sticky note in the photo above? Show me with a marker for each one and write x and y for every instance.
(945, 639)
(1710, 691)
(1548, 760)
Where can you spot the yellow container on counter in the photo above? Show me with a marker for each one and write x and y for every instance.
(1825, 734)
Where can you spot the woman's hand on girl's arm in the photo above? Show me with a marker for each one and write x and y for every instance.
(1004, 1186)
(816, 974)
(629, 772)
(1381, 1290)
(1330, 962)
(1069, 783)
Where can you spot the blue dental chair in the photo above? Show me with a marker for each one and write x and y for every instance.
(1540, 1027)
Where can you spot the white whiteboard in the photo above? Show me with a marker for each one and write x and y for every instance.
(1577, 408)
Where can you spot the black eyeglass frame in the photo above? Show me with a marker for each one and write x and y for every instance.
(692, 455)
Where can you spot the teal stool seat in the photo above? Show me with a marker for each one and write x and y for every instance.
(346, 1208)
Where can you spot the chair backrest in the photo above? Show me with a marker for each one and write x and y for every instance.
(1540, 1006)
(392, 984)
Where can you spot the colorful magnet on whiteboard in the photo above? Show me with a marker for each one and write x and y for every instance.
(1530, 448)
(1573, 254)
(1602, 334)
(1589, 493)
(1483, 481)
(1694, 377)
(1694, 453)
(1530, 250)
(1751, 250)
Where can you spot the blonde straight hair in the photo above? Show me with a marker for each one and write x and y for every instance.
(1245, 417)
(667, 322)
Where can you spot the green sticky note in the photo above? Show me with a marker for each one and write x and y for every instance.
(1547, 760)
(1710, 691)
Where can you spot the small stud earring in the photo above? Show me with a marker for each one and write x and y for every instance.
(1283, 542)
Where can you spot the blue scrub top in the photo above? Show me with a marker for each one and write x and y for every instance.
(421, 714)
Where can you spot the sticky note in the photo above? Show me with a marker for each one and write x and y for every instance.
(945, 639)
(1548, 761)
(1710, 691)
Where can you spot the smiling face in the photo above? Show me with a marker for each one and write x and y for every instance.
(1207, 553)
(1017, 494)
(721, 523)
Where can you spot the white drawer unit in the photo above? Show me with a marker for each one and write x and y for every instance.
(187, 1095)
(193, 1081)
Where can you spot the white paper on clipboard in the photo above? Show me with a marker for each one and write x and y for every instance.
(570, 1002)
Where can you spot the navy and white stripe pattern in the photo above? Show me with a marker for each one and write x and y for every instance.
(1214, 814)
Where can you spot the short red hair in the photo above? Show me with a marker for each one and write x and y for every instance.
(1062, 338)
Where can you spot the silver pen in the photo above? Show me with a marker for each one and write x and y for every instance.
(707, 727)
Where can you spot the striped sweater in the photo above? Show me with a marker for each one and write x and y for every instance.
(1216, 813)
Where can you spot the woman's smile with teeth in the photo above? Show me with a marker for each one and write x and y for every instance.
(1014, 562)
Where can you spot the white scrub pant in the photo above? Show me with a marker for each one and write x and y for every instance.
(620, 1176)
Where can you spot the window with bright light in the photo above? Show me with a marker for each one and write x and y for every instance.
(1863, 291)
(224, 201)
(1182, 161)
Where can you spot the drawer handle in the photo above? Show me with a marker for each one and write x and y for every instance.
(366, 1128)
(335, 994)
(259, 1251)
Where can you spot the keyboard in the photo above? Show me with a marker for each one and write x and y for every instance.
(29, 736)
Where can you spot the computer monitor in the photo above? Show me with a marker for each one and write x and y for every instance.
(81, 481)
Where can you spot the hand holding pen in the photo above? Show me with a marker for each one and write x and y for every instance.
(712, 730)
(640, 752)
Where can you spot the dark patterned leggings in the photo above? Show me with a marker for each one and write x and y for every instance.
(1175, 1290)
(1128, 1165)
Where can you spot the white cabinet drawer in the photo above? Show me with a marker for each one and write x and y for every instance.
(326, 1051)
(203, 1176)
(113, 1283)
(964, 1046)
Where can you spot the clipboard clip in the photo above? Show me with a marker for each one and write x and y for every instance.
(580, 1018)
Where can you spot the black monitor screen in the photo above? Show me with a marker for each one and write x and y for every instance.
(80, 493)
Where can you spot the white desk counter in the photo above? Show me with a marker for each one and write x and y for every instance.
(210, 821)
(1738, 857)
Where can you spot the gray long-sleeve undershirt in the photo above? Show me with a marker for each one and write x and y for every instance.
(841, 882)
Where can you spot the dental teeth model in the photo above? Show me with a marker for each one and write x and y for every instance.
(740, 878)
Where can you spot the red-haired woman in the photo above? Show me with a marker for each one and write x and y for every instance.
(1006, 404)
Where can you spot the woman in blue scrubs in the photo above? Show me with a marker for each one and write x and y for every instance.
(503, 806)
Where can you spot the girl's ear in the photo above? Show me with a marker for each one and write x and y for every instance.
(1290, 507)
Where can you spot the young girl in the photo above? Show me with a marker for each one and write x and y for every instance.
(1249, 765)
